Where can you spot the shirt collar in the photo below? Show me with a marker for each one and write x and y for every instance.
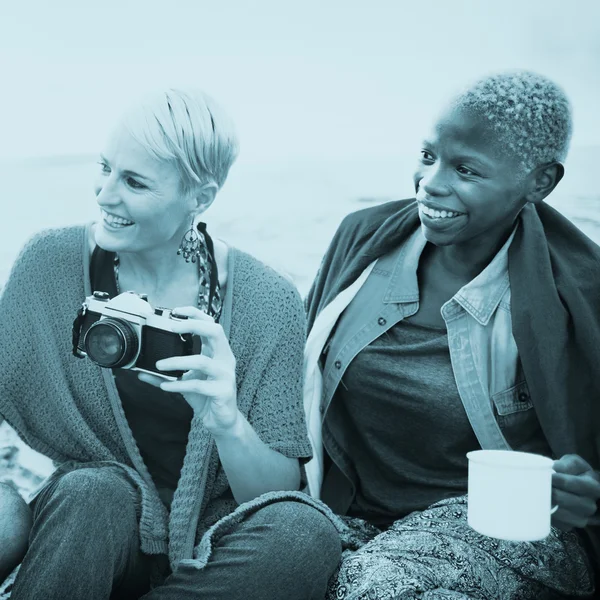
(403, 286)
(480, 297)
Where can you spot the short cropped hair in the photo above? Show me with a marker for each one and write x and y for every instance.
(530, 114)
(189, 128)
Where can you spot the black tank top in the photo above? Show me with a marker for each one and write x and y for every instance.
(160, 421)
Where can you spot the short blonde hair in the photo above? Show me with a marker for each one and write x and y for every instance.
(189, 128)
(529, 113)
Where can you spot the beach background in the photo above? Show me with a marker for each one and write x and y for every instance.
(284, 215)
(329, 98)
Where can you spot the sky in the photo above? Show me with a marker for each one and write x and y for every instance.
(302, 80)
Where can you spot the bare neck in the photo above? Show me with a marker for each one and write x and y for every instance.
(164, 275)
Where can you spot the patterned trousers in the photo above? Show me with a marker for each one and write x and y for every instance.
(435, 555)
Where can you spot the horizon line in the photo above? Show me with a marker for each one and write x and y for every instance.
(86, 156)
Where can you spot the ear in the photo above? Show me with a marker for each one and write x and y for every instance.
(203, 197)
(543, 180)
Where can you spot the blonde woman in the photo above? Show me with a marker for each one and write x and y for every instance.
(149, 464)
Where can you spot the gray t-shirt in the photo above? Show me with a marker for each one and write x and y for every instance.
(401, 423)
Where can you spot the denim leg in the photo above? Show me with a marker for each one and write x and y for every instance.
(285, 550)
(15, 525)
(84, 541)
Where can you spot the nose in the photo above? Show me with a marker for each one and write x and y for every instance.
(106, 191)
(433, 181)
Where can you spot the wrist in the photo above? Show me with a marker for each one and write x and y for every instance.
(235, 431)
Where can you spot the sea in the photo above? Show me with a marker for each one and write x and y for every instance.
(284, 213)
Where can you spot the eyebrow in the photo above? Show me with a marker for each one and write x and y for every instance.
(127, 171)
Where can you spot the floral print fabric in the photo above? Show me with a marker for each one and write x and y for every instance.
(435, 555)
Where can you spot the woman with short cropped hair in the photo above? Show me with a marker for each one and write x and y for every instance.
(465, 318)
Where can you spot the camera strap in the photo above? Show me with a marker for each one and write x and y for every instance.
(77, 323)
(209, 294)
(215, 302)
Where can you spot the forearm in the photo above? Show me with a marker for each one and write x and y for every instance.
(252, 468)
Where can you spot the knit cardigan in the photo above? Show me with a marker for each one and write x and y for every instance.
(69, 410)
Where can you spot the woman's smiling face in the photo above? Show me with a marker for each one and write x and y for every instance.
(140, 198)
(468, 187)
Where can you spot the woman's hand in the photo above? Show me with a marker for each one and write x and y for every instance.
(576, 490)
(209, 383)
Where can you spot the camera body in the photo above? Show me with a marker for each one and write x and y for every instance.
(126, 332)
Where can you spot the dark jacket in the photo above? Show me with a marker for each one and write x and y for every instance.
(554, 272)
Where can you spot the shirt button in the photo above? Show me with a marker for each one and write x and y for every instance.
(381, 321)
(523, 396)
(337, 364)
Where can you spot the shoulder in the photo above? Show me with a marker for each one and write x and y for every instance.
(49, 256)
(361, 237)
(55, 242)
(359, 227)
(371, 218)
(565, 235)
(262, 285)
(575, 257)
(572, 250)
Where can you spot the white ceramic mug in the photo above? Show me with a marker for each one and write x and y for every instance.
(510, 494)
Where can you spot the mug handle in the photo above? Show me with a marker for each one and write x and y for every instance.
(554, 509)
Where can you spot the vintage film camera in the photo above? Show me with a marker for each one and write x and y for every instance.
(127, 333)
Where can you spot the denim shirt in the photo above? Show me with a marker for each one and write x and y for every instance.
(483, 351)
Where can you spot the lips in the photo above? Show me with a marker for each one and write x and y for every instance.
(439, 207)
(439, 223)
(438, 214)
(115, 220)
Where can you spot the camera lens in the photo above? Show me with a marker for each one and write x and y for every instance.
(111, 343)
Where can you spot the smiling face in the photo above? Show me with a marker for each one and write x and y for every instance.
(469, 189)
(140, 197)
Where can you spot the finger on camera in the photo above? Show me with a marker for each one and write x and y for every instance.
(204, 387)
(207, 330)
(195, 362)
(150, 379)
(581, 485)
(193, 312)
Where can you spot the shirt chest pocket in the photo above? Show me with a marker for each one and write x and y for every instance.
(512, 401)
(516, 416)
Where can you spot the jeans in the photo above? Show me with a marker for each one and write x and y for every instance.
(84, 545)
(15, 524)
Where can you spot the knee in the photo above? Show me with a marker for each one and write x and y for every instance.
(305, 532)
(15, 525)
(97, 492)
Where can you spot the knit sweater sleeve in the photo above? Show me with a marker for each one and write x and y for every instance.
(277, 412)
(16, 341)
(24, 310)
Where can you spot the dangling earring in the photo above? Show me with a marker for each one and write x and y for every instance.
(190, 244)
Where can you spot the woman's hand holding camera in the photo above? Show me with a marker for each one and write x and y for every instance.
(209, 383)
